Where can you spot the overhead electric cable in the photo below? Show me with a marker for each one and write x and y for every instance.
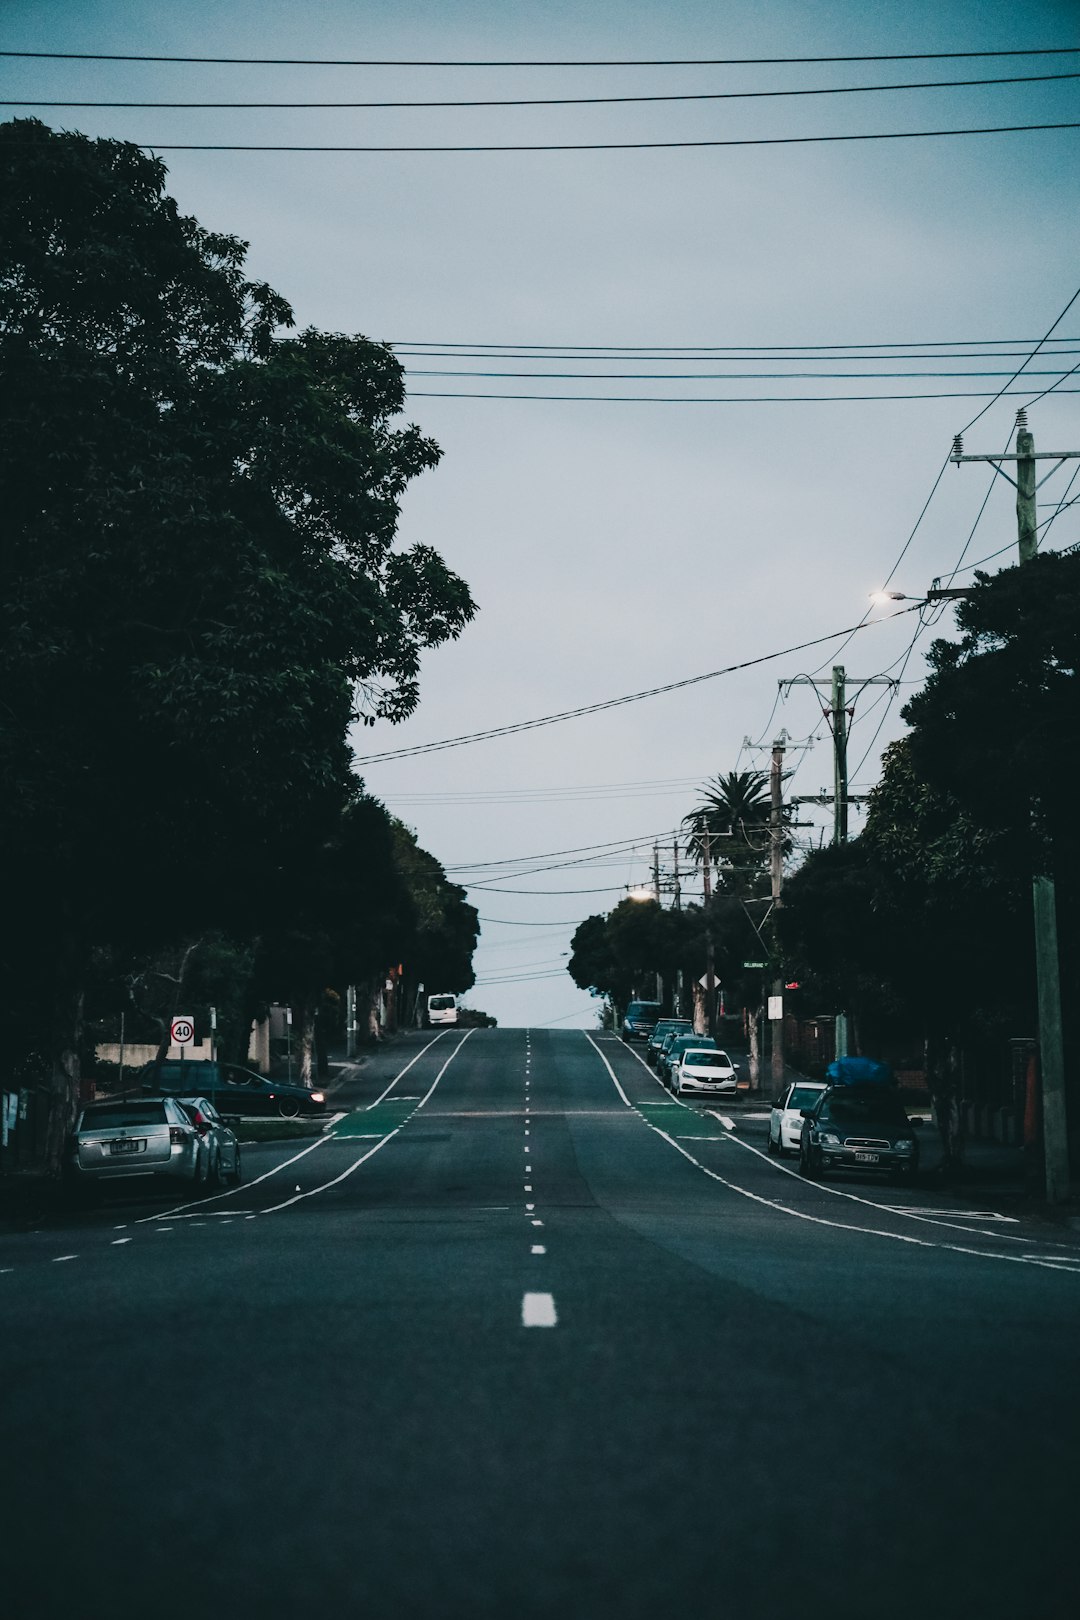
(708, 399)
(554, 101)
(458, 62)
(599, 146)
(1002, 391)
(612, 703)
(722, 348)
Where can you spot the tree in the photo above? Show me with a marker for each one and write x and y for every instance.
(438, 950)
(201, 588)
(734, 811)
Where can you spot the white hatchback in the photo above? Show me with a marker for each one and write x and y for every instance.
(785, 1120)
(705, 1071)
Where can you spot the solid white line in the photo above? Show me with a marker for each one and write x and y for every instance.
(871, 1203)
(272, 1208)
(608, 1067)
(1048, 1263)
(538, 1310)
(406, 1069)
(321, 1141)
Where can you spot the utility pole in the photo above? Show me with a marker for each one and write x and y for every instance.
(710, 955)
(656, 896)
(677, 1009)
(776, 874)
(1043, 892)
(838, 715)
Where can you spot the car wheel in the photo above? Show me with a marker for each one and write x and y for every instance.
(237, 1173)
(213, 1173)
(805, 1167)
(775, 1149)
(288, 1107)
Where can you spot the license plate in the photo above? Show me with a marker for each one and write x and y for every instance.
(124, 1146)
(867, 1158)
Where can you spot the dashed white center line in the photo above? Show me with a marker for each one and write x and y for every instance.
(538, 1310)
(536, 1223)
(58, 1257)
(538, 1248)
(528, 1186)
(530, 1206)
(528, 1169)
(117, 1241)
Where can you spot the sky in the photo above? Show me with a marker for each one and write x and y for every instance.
(619, 543)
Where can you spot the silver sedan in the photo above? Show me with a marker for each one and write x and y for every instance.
(145, 1139)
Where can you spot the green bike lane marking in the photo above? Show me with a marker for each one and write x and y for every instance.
(377, 1121)
(689, 1122)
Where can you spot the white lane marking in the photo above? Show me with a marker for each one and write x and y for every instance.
(121, 1228)
(285, 1163)
(969, 1215)
(538, 1310)
(1049, 1263)
(402, 1073)
(528, 1186)
(295, 1199)
(164, 1228)
(117, 1241)
(728, 1124)
(871, 1203)
(5, 1269)
(528, 1169)
(536, 1223)
(538, 1248)
(530, 1206)
(609, 1069)
(58, 1257)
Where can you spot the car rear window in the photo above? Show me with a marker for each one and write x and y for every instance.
(115, 1116)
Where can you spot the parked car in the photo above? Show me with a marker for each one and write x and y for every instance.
(706, 1071)
(640, 1020)
(858, 1128)
(232, 1089)
(786, 1120)
(223, 1149)
(150, 1139)
(672, 1050)
(666, 1026)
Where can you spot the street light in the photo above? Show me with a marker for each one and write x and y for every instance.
(936, 593)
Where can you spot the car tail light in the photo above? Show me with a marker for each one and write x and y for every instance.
(177, 1133)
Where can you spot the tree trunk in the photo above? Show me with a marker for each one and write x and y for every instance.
(942, 1061)
(755, 1050)
(64, 1074)
(304, 1027)
(698, 1013)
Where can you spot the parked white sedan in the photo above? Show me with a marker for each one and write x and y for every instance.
(706, 1072)
(785, 1120)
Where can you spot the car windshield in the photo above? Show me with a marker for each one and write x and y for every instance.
(803, 1097)
(684, 1042)
(643, 1009)
(863, 1110)
(115, 1116)
(707, 1060)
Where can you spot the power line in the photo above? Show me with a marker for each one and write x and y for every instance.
(552, 101)
(1049, 331)
(712, 399)
(610, 703)
(727, 376)
(515, 922)
(552, 854)
(601, 146)
(772, 349)
(453, 62)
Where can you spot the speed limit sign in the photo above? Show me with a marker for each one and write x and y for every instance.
(182, 1031)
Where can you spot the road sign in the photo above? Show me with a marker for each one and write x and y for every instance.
(182, 1030)
(776, 1007)
(704, 982)
(755, 964)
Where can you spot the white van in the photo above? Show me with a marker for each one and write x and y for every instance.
(442, 1009)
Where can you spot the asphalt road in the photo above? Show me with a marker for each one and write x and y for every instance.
(523, 1337)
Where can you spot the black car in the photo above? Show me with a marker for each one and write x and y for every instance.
(666, 1026)
(858, 1128)
(640, 1020)
(232, 1089)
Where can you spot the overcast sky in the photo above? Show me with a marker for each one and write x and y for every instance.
(615, 545)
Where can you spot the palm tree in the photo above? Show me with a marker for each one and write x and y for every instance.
(734, 812)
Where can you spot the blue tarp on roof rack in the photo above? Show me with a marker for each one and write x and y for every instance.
(859, 1071)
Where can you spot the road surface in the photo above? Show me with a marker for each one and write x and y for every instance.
(520, 1336)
